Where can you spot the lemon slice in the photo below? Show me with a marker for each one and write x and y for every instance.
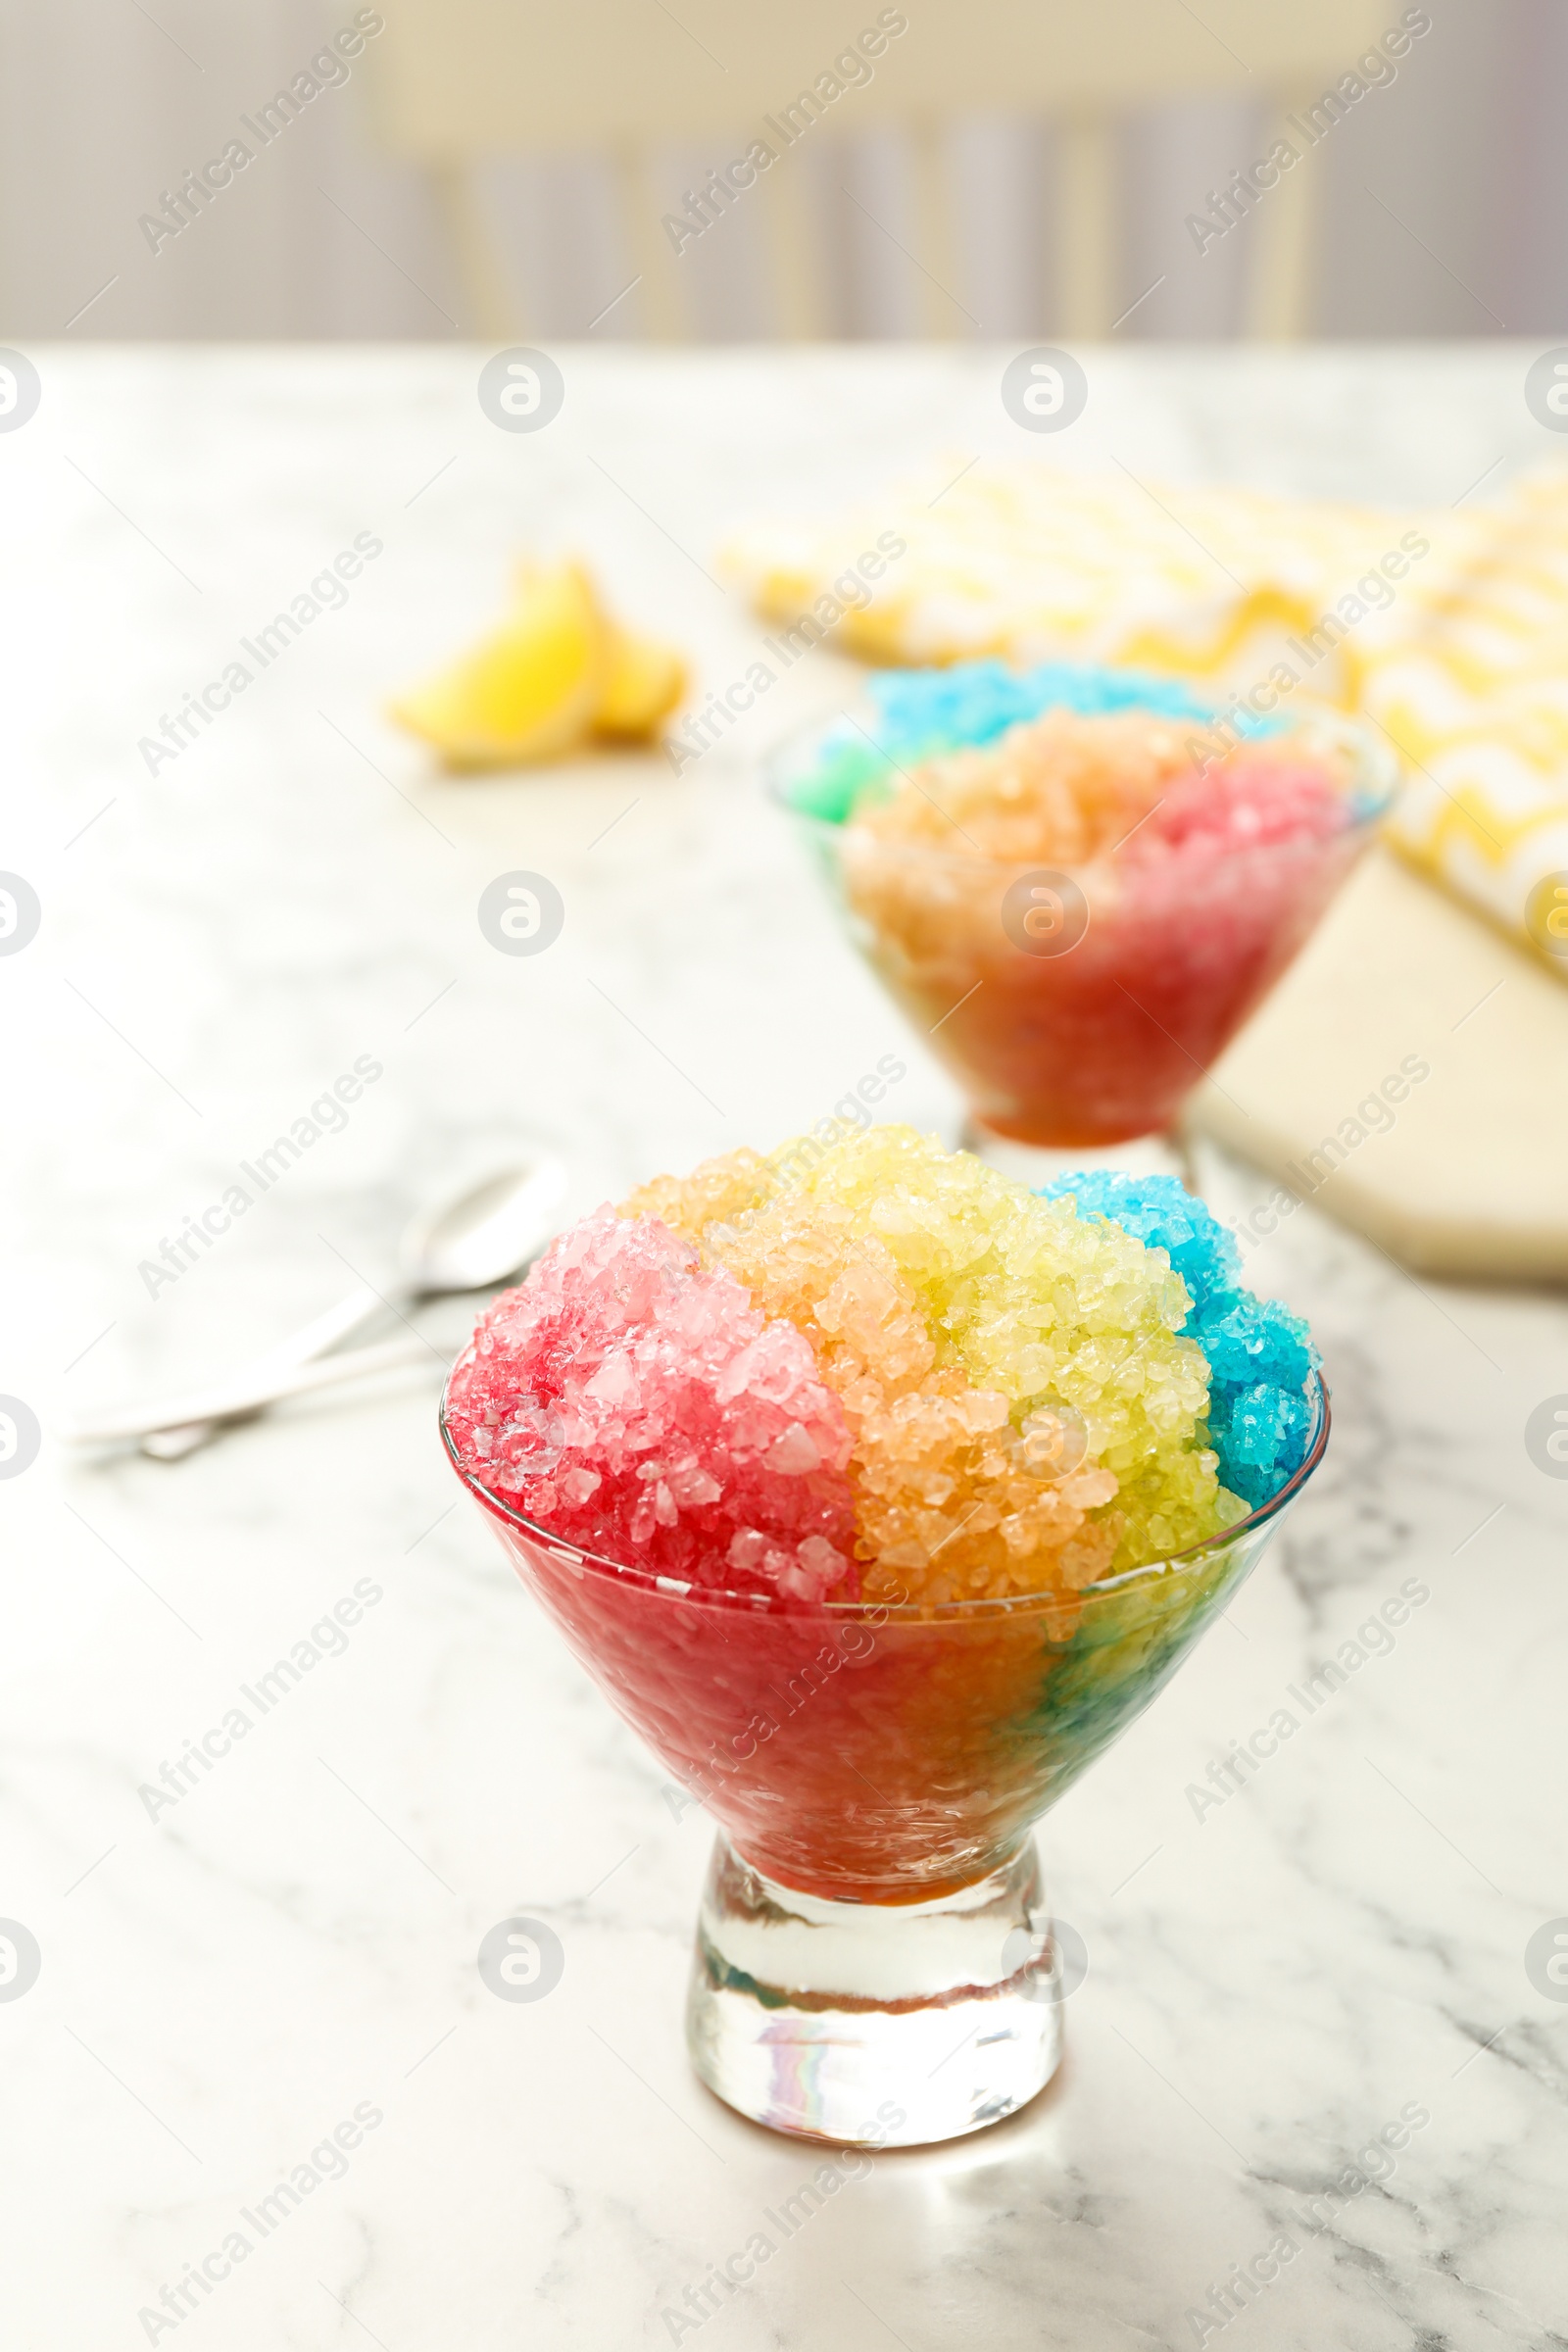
(530, 692)
(643, 682)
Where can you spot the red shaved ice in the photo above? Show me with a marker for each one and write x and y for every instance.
(638, 1405)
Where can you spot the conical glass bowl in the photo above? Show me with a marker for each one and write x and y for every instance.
(875, 1910)
(1078, 1008)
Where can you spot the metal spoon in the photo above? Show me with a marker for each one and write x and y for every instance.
(473, 1242)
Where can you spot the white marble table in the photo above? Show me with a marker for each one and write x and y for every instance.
(1272, 1982)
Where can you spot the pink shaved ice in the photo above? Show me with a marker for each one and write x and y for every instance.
(641, 1406)
(1259, 797)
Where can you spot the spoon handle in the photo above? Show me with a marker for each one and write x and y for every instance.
(246, 1393)
(171, 1442)
(322, 1331)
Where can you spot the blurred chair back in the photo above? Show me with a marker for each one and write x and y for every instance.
(457, 81)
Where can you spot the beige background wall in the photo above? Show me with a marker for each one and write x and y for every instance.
(1446, 197)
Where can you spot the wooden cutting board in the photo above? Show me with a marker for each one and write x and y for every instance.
(1463, 1172)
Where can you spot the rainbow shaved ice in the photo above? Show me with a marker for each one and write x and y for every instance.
(1078, 882)
(881, 1371)
(1067, 790)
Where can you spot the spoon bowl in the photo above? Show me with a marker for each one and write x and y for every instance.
(480, 1236)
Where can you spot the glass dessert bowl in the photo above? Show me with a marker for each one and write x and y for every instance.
(1078, 911)
(879, 1500)
(873, 1940)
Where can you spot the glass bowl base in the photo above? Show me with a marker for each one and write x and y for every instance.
(874, 2025)
(1039, 1164)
